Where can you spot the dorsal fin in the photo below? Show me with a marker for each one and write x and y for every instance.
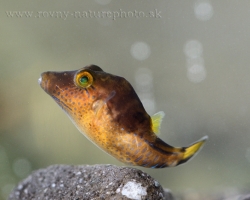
(156, 121)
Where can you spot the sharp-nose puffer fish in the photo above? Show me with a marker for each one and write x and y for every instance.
(106, 109)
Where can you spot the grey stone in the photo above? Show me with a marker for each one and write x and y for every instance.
(95, 182)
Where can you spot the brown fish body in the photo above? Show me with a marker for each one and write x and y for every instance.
(106, 109)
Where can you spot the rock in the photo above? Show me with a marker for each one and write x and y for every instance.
(95, 182)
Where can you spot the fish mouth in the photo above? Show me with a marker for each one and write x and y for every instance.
(61, 103)
(43, 82)
(40, 80)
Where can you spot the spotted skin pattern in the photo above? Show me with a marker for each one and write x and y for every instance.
(110, 114)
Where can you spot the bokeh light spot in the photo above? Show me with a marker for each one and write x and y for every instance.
(21, 167)
(203, 10)
(196, 73)
(140, 50)
(144, 79)
(144, 86)
(193, 49)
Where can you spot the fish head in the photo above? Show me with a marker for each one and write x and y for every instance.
(90, 93)
(74, 90)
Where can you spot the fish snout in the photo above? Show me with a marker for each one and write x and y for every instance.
(40, 80)
(51, 81)
(43, 81)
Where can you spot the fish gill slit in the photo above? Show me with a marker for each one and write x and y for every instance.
(61, 103)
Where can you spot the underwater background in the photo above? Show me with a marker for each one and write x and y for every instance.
(189, 59)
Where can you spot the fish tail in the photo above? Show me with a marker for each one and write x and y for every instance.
(192, 150)
(169, 156)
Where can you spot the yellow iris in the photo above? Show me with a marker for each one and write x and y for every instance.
(83, 79)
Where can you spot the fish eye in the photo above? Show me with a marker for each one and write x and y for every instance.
(83, 79)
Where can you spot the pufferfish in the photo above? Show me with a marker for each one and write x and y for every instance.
(106, 109)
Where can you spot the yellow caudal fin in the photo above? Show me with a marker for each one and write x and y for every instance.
(193, 149)
(156, 121)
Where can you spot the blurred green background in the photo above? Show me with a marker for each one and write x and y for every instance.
(189, 59)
